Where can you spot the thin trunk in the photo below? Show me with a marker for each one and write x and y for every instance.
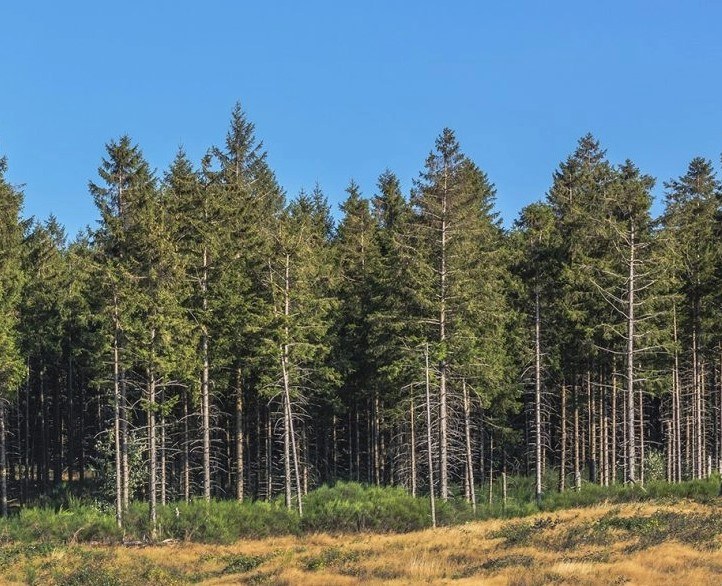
(377, 441)
(641, 436)
(153, 462)
(613, 463)
(3, 463)
(239, 436)
(287, 479)
(428, 441)
(443, 432)
(205, 386)
(697, 400)
(288, 431)
(334, 449)
(491, 469)
(467, 434)
(163, 463)
(269, 457)
(577, 468)
(631, 432)
(537, 399)
(563, 440)
(591, 429)
(186, 450)
(413, 446)
(124, 439)
(116, 419)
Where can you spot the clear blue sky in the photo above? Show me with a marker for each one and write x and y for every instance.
(342, 90)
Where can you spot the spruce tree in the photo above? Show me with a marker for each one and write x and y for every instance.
(11, 282)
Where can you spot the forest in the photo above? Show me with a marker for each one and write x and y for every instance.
(212, 338)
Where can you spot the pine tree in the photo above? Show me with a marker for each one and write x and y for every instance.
(537, 269)
(689, 221)
(11, 280)
(128, 185)
(460, 278)
(357, 257)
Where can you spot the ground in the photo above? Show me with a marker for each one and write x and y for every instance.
(647, 543)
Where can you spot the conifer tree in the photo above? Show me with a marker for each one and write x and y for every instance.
(459, 283)
(11, 280)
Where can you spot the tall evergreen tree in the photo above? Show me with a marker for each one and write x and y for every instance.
(11, 281)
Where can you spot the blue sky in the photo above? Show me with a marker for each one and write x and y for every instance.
(342, 90)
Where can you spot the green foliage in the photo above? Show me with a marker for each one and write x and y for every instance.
(342, 508)
(353, 507)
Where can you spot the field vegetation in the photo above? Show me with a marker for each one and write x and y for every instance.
(352, 534)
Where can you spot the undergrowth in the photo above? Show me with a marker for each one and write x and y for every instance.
(342, 508)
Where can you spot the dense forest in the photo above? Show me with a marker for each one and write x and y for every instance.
(212, 338)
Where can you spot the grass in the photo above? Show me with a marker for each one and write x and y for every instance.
(633, 543)
(343, 508)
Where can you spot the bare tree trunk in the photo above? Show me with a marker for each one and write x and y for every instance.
(631, 444)
(288, 431)
(697, 403)
(577, 467)
(641, 436)
(3, 463)
(239, 436)
(287, 478)
(591, 429)
(413, 446)
(428, 441)
(537, 399)
(269, 457)
(186, 450)
(563, 440)
(377, 441)
(358, 446)
(153, 462)
(491, 469)
(443, 409)
(205, 386)
(116, 419)
(163, 463)
(719, 421)
(124, 439)
(467, 434)
(613, 463)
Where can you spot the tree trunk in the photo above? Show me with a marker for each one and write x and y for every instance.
(577, 467)
(186, 450)
(3, 463)
(153, 462)
(613, 463)
(124, 439)
(428, 441)
(443, 409)
(467, 434)
(163, 463)
(631, 444)
(413, 445)
(239, 436)
(205, 386)
(288, 428)
(563, 440)
(537, 400)
(117, 420)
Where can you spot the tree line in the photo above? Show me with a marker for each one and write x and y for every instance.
(213, 338)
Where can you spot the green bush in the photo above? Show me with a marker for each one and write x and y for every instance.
(347, 507)
(342, 508)
(214, 521)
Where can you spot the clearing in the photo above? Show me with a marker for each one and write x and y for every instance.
(648, 543)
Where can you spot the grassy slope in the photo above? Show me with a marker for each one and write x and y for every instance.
(643, 543)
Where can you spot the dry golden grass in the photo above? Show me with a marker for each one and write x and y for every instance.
(597, 545)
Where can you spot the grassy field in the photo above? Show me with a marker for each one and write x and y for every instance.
(640, 543)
